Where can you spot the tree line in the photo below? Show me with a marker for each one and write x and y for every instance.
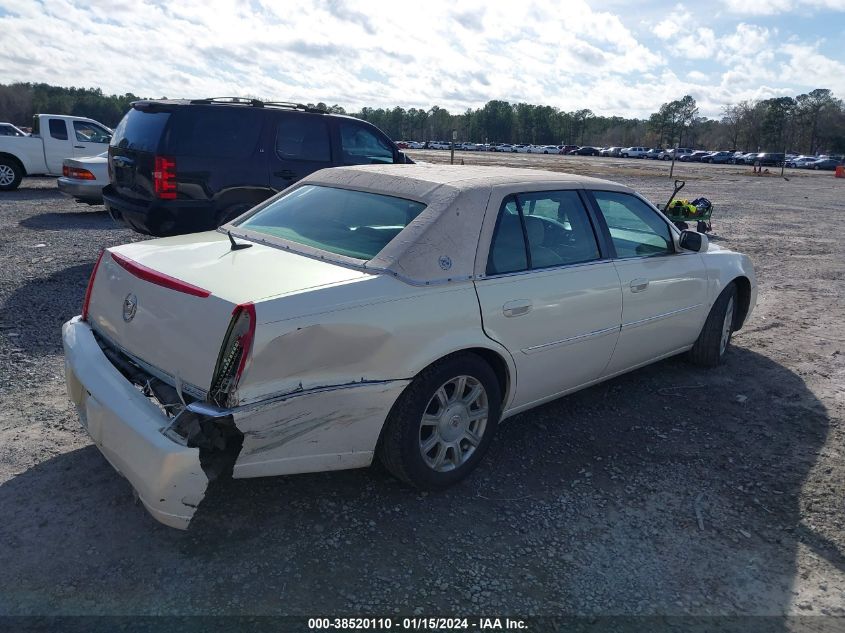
(808, 123)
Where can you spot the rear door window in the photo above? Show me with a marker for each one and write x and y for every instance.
(58, 129)
(213, 131)
(360, 145)
(303, 137)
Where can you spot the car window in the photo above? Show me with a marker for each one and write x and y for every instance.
(8, 130)
(635, 228)
(90, 133)
(359, 145)
(507, 250)
(303, 137)
(555, 226)
(58, 129)
(213, 131)
(356, 224)
(140, 130)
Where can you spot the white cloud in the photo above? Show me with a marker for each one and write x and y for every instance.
(360, 53)
(776, 7)
(676, 22)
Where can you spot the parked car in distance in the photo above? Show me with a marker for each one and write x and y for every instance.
(438, 145)
(7, 129)
(345, 320)
(548, 149)
(678, 154)
(180, 166)
(801, 162)
(653, 153)
(502, 147)
(566, 149)
(416, 145)
(717, 158)
(84, 178)
(54, 138)
(609, 151)
(693, 157)
(585, 151)
(825, 163)
(769, 159)
(745, 159)
(633, 152)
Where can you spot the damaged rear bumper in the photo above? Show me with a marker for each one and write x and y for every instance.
(170, 460)
(128, 430)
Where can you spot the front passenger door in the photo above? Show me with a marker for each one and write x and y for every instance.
(664, 293)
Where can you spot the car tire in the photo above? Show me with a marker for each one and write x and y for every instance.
(11, 174)
(816, 167)
(701, 226)
(422, 431)
(715, 337)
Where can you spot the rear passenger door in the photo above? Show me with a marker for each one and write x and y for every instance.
(362, 144)
(301, 145)
(550, 294)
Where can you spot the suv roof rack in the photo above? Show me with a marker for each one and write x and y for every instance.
(255, 103)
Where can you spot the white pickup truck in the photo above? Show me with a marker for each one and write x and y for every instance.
(54, 137)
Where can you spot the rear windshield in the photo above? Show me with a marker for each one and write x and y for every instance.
(140, 130)
(213, 131)
(356, 224)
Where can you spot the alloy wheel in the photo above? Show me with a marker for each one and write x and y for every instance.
(453, 423)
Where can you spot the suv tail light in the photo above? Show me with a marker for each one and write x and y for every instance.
(164, 178)
(90, 287)
(234, 354)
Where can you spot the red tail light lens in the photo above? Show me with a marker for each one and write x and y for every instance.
(77, 173)
(86, 302)
(234, 355)
(164, 178)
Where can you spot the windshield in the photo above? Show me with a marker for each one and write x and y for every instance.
(355, 224)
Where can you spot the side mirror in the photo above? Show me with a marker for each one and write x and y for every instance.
(693, 241)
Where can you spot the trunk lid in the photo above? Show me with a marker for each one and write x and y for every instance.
(168, 302)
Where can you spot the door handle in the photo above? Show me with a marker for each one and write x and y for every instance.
(287, 174)
(638, 285)
(516, 308)
(78, 147)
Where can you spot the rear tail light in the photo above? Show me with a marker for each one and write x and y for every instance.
(234, 355)
(77, 173)
(87, 300)
(164, 178)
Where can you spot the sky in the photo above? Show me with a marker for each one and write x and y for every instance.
(615, 57)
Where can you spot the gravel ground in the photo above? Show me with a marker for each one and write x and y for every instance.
(668, 491)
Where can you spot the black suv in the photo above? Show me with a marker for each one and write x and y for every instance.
(769, 159)
(179, 166)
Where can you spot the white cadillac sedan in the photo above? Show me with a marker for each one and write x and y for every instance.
(399, 312)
